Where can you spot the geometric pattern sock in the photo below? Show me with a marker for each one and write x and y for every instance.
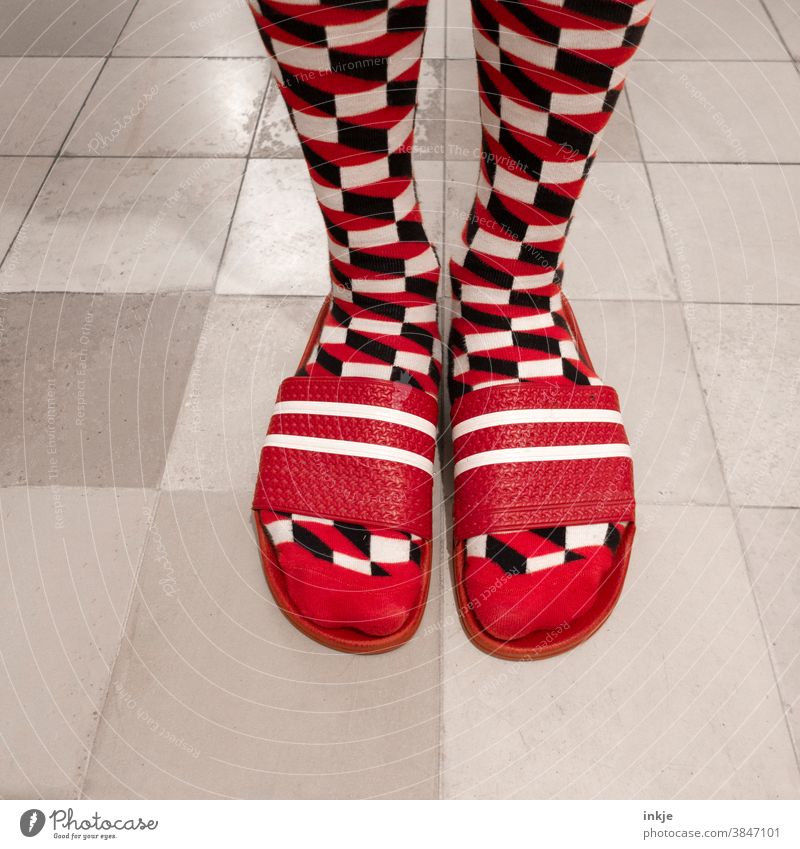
(348, 73)
(550, 74)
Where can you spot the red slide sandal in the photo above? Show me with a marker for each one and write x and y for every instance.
(539, 455)
(353, 450)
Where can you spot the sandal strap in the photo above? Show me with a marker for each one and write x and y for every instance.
(352, 450)
(530, 456)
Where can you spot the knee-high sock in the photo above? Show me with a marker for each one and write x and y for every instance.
(550, 74)
(348, 72)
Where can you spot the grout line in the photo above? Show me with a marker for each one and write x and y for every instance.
(125, 621)
(214, 155)
(777, 29)
(235, 207)
(84, 769)
(785, 701)
(733, 511)
(637, 61)
(664, 241)
(282, 297)
(67, 134)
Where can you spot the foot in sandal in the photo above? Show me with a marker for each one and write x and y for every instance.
(344, 496)
(544, 502)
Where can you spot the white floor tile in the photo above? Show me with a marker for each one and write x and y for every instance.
(247, 346)
(275, 136)
(786, 16)
(719, 112)
(435, 30)
(190, 28)
(168, 107)
(747, 357)
(39, 99)
(67, 569)
(55, 28)
(771, 539)
(429, 125)
(277, 244)
(708, 29)
(244, 705)
(20, 179)
(732, 230)
(673, 698)
(117, 225)
(463, 127)
(615, 247)
(460, 44)
(642, 350)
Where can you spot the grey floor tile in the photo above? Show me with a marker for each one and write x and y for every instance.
(219, 696)
(771, 541)
(39, 99)
(615, 247)
(93, 386)
(620, 142)
(20, 179)
(786, 17)
(747, 358)
(275, 135)
(165, 107)
(126, 225)
(246, 348)
(55, 28)
(430, 177)
(463, 131)
(429, 129)
(720, 112)
(673, 698)
(732, 230)
(435, 30)
(642, 350)
(708, 29)
(67, 569)
(460, 44)
(463, 127)
(190, 28)
(460, 180)
(277, 244)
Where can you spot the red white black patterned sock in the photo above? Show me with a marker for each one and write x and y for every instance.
(550, 73)
(348, 72)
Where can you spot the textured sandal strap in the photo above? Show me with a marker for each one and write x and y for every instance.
(531, 456)
(352, 450)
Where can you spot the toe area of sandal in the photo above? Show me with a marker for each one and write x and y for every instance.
(515, 624)
(342, 609)
(510, 607)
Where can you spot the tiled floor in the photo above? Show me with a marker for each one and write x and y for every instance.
(161, 263)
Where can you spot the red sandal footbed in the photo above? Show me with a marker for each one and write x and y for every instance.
(302, 470)
(524, 492)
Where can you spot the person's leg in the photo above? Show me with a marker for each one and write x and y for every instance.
(550, 74)
(348, 72)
